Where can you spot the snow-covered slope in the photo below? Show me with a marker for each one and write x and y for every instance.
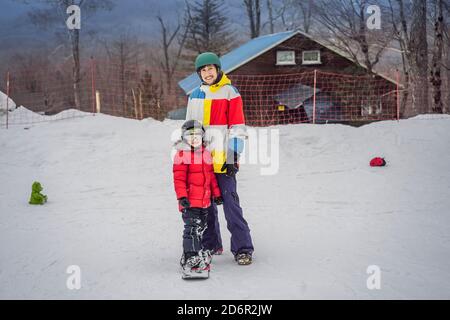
(3, 100)
(317, 225)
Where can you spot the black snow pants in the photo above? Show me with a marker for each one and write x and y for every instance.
(195, 224)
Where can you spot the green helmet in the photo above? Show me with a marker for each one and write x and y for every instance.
(207, 58)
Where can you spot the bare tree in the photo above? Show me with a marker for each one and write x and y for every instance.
(31, 68)
(409, 19)
(418, 56)
(171, 62)
(293, 14)
(124, 54)
(446, 64)
(276, 12)
(285, 14)
(398, 16)
(147, 99)
(345, 26)
(55, 14)
(253, 8)
(271, 16)
(437, 56)
(306, 8)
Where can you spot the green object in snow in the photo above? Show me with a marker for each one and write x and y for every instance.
(36, 196)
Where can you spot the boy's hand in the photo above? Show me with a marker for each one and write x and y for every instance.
(218, 200)
(184, 202)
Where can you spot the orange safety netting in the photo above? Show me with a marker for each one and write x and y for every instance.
(135, 92)
(316, 97)
(126, 90)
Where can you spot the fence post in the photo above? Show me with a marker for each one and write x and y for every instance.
(93, 94)
(98, 101)
(7, 99)
(314, 99)
(397, 74)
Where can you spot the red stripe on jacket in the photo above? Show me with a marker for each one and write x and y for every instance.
(236, 112)
(219, 111)
(227, 112)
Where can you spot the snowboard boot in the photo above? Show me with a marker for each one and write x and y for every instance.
(195, 267)
(243, 259)
(207, 256)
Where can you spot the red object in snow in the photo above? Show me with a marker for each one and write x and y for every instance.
(377, 162)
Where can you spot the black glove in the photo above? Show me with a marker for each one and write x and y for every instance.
(231, 169)
(184, 202)
(218, 201)
(231, 166)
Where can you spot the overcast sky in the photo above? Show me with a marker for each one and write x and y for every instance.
(137, 16)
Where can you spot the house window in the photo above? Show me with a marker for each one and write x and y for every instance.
(311, 57)
(285, 58)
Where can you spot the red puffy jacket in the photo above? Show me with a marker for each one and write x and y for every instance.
(194, 178)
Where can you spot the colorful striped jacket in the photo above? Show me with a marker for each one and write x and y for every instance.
(220, 109)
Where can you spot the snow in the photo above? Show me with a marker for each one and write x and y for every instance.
(3, 100)
(24, 117)
(317, 225)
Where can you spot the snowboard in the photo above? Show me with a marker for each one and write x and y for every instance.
(195, 275)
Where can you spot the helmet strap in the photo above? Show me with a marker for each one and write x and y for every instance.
(219, 76)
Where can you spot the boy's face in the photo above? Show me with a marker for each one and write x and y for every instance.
(194, 137)
(209, 74)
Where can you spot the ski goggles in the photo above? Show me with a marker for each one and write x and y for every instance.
(194, 132)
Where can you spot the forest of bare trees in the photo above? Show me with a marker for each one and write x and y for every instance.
(413, 34)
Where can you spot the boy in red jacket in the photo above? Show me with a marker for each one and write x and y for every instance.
(195, 186)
